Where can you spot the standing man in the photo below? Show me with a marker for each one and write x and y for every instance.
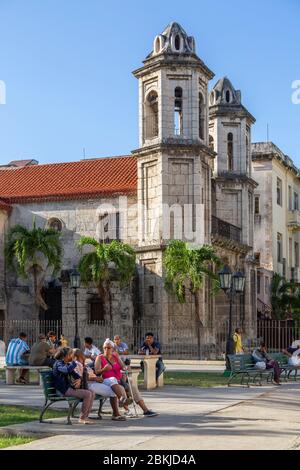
(152, 347)
(237, 338)
(17, 355)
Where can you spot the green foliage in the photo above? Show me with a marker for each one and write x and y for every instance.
(189, 266)
(106, 262)
(32, 252)
(8, 441)
(285, 298)
(10, 414)
(193, 379)
(24, 246)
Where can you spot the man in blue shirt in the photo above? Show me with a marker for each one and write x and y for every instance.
(152, 347)
(17, 355)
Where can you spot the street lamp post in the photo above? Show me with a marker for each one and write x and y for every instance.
(75, 284)
(231, 284)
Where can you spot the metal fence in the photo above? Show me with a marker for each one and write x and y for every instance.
(179, 339)
(278, 334)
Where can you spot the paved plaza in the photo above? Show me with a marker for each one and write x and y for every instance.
(190, 418)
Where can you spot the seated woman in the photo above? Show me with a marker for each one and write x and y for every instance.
(261, 355)
(294, 355)
(110, 366)
(115, 366)
(94, 383)
(63, 369)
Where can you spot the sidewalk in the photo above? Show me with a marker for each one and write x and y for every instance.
(190, 418)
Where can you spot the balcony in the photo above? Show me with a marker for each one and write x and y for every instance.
(293, 221)
(226, 230)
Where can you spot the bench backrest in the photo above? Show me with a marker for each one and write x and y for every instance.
(281, 358)
(48, 384)
(240, 361)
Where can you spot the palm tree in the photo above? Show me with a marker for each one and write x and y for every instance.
(104, 263)
(34, 252)
(285, 297)
(185, 266)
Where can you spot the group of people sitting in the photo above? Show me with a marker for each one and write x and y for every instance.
(263, 360)
(84, 374)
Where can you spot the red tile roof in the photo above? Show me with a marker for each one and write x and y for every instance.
(86, 178)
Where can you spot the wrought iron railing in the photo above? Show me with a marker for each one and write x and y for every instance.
(224, 229)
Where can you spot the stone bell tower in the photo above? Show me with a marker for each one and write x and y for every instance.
(230, 137)
(232, 192)
(174, 159)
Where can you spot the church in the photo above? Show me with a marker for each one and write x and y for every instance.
(192, 168)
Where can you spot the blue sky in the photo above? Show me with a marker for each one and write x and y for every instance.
(67, 68)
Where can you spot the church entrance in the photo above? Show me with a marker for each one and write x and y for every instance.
(53, 298)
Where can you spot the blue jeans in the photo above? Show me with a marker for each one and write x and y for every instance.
(160, 367)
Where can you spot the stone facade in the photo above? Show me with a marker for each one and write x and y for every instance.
(78, 218)
(277, 218)
(3, 300)
(186, 163)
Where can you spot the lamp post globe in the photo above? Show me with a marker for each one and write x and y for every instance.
(225, 277)
(238, 280)
(75, 279)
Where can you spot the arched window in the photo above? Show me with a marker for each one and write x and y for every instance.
(211, 143)
(151, 115)
(178, 127)
(230, 151)
(177, 42)
(201, 117)
(228, 96)
(55, 224)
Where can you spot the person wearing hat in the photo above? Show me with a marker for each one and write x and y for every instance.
(41, 352)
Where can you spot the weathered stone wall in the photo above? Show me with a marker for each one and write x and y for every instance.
(79, 218)
(3, 222)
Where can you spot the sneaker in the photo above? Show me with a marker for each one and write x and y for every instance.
(86, 421)
(129, 414)
(150, 413)
(21, 381)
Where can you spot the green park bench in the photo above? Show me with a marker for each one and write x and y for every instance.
(244, 365)
(286, 369)
(51, 398)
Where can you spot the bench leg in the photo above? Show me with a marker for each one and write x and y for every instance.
(160, 380)
(101, 403)
(149, 375)
(72, 407)
(10, 376)
(45, 407)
